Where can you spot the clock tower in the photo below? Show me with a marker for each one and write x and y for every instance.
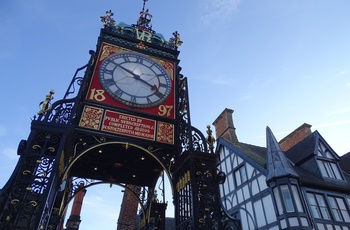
(124, 120)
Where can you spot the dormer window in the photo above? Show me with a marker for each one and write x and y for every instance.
(327, 164)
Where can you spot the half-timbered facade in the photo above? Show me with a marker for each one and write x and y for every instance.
(297, 183)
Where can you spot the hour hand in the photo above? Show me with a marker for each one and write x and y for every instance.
(137, 77)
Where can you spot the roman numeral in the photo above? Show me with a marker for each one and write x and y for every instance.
(107, 71)
(119, 92)
(163, 85)
(139, 60)
(109, 81)
(133, 99)
(159, 94)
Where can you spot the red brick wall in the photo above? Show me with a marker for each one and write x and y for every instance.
(295, 137)
(128, 210)
(224, 126)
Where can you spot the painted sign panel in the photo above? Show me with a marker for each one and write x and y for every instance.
(91, 117)
(165, 132)
(125, 124)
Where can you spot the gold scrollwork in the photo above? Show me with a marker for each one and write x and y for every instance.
(100, 140)
(183, 181)
(26, 172)
(152, 150)
(36, 147)
(33, 203)
(107, 50)
(51, 149)
(61, 165)
(74, 152)
(14, 201)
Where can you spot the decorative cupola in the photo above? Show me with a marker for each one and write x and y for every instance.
(224, 127)
(283, 181)
(277, 163)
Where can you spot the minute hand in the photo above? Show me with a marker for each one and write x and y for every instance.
(137, 77)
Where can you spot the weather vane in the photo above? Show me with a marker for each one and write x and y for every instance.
(144, 20)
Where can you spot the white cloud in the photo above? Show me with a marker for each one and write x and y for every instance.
(332, 124)
(344, 72)
(218, 10)
(347, 85)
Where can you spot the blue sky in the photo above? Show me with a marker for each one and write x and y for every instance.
(276, 63)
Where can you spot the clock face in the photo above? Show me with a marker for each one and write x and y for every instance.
(134, 79)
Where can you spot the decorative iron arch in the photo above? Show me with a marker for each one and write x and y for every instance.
(90, 182)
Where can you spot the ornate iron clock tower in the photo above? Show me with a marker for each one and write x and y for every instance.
(124, 121)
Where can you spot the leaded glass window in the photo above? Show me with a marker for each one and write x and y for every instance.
(338, 208)
(288, 203)
(318, 206)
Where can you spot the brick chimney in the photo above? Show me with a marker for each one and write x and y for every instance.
(128, 210)
(224, 127)
(295, 137)
(74, 220)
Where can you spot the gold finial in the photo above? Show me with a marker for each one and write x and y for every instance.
(176, 40)
(210, 139)
(45, 105)
(108, 20)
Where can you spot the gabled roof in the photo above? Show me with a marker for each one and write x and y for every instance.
(345, 163)
(303, 149)
(310, 180)
(277, 163)
(255, 155)
(307, 148)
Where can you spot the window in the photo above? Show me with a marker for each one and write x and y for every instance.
(287, 198)
(329, 169)
(318, 206)
(240, 175)
(338, 208)
(297, 198)
(278, 201)
(327, 163)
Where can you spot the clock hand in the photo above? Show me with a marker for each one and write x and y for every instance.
(137, 77)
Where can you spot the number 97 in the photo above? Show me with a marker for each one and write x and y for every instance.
(165, 110)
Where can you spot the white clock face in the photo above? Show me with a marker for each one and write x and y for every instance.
(135, 80)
